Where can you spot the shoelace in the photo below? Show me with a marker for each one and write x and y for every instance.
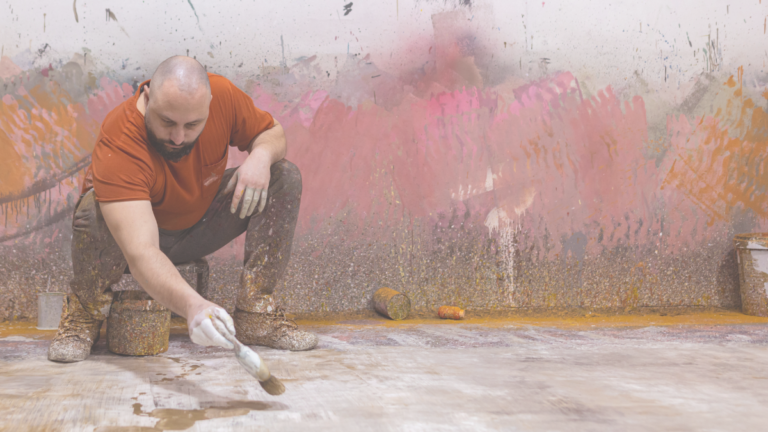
(75, 323)
(279, 315)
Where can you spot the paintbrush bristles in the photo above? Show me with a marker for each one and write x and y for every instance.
(273, 386)
(251, 362)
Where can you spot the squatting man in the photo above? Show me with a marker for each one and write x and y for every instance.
(158, 193)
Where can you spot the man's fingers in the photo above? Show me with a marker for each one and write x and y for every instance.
(247, 199)
(220, 327)
(232, 183)
(224, 317)
(255, 202)
(263, 201)
(214, 336)
(239, 189)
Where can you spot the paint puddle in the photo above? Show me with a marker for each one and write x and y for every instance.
(178, 419)
(186, 369)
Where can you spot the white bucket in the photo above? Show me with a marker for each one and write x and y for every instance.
(49, 310)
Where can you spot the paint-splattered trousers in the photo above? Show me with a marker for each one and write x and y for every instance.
(98, 262)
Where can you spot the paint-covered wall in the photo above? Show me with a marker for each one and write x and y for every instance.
(487, 154)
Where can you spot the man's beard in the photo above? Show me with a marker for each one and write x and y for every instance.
(169, 154)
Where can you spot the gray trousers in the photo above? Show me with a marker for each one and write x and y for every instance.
(98, 262)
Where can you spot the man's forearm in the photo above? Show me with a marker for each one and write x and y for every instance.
(272, 142)
(160, 279)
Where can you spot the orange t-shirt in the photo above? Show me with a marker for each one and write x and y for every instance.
(125, 166)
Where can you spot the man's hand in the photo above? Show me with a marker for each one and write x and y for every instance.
(201, 328)
(251, 182)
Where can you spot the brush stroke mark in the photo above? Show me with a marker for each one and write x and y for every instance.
(111, 16)
(45, 221)
(45, 184)
(195, 12)
(74, 8)
(547, 171)
(721, 161)
(46, 137)
(347, 8)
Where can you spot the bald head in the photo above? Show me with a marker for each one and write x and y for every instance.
(186, 74)
(177, 102)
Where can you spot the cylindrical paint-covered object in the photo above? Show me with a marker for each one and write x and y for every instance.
(50, 306)
(752, 254)
(138, 325)
(391, 304)
(450, 312)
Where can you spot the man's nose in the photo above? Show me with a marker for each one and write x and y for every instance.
(177, 135)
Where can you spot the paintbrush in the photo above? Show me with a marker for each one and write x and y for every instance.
(251, 362)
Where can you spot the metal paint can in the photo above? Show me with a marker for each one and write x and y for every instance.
(50, 306)
(450, 312)
(391, 304)
(137, 325)
(752, 255)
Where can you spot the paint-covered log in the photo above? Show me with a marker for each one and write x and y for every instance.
(391, 304)
(752, 250)
(138, 325)
(450, 312)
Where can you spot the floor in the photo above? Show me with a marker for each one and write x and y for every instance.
(602, 374)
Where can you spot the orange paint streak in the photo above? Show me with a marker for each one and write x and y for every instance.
(723, 164)
(44, 131)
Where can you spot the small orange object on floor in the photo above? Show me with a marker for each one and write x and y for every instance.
(450, 312)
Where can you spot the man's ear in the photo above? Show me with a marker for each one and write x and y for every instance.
(146, 95)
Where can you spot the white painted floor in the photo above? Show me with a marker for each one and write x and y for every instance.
(368, 377)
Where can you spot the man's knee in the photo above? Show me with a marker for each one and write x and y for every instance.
(86, 215)
(288, 174)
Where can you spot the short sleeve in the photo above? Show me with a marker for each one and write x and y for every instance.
(119, 175)
(248, 121)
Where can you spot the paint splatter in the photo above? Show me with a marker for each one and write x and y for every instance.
(347, 8)
(111, 16)
(195, 12)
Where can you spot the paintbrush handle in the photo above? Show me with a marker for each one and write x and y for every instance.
(247, 357)
(251, 362)
(222, 329)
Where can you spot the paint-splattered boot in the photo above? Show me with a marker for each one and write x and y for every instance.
(272, 329)
(78, 331)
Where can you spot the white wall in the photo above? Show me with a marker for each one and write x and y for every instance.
(602, 42)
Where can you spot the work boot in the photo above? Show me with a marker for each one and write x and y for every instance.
(78, 332)
(272, 329)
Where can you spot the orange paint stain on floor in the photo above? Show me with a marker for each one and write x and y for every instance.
(28, 329)
(576, 323)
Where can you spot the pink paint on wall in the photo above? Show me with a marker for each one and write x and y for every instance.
(558, 163)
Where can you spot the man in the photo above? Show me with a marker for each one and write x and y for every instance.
(157, 194)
